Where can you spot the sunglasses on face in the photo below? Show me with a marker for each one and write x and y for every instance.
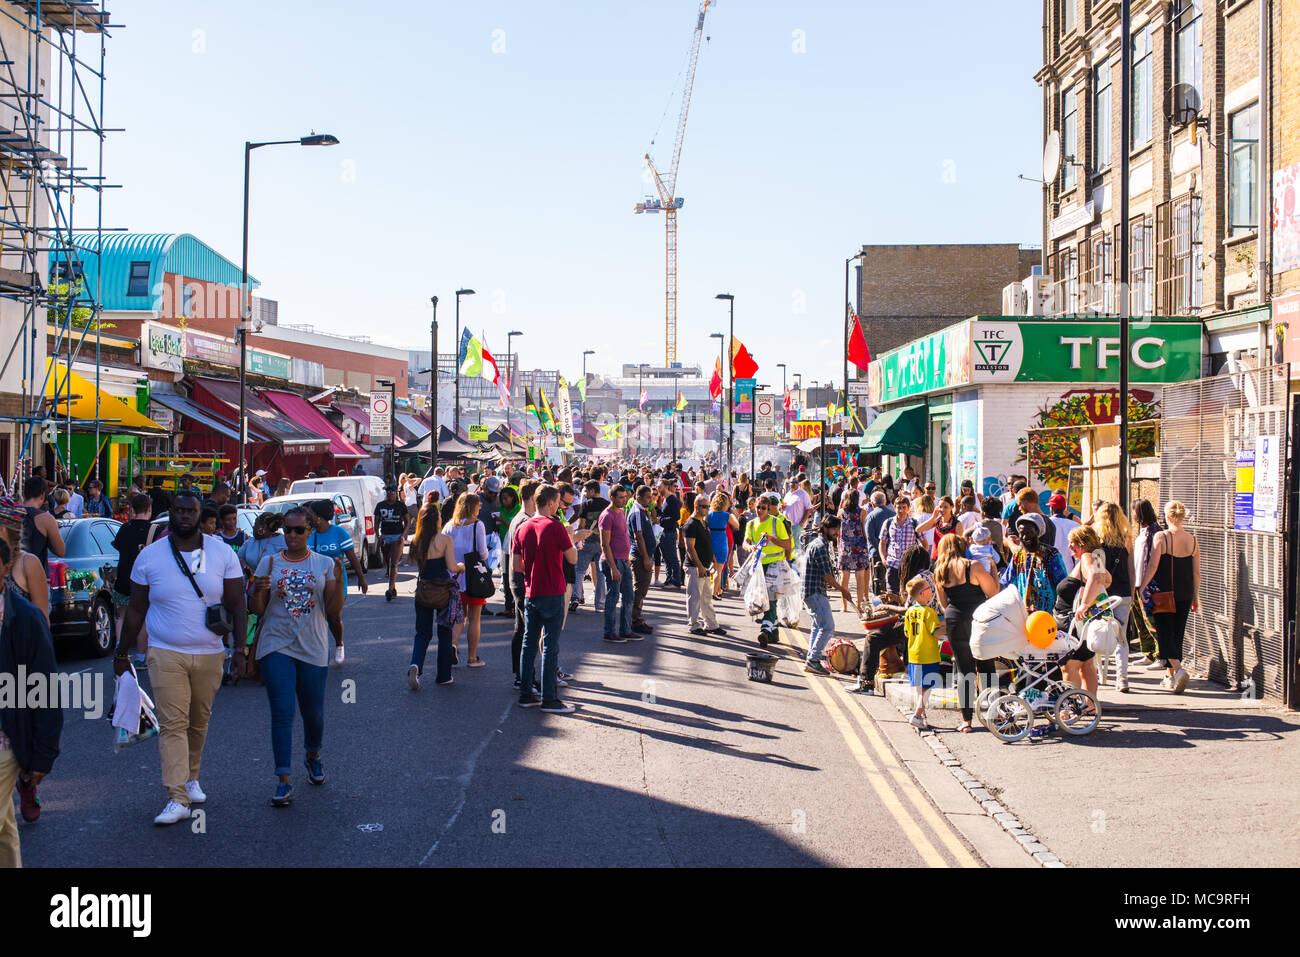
(295, 529)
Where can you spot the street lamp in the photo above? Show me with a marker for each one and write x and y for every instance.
(847, 309)
(731, 373)
(585, 353)
(510, 386)
(245, 304)
(640, 387)
(433, 382)
(459, 293)
(722, 345)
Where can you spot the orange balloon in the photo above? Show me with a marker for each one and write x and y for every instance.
(1041, 629)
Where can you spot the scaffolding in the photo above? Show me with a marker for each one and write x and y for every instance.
(51, 172)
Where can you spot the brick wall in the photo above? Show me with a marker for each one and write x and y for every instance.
(1286, 108)
(910, 291)
(1006, 413)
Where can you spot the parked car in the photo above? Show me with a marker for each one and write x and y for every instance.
(247, 516)
(366, 492)
(81, 582)
(345, 514)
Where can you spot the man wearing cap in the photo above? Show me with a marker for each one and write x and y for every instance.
(391, 520)
(1035, 567)
(1061, 518)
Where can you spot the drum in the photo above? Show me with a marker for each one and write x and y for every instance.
(843, 657)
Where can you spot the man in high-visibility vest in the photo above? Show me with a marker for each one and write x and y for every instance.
(777, 546)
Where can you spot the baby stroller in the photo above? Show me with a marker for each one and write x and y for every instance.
(1039, 688)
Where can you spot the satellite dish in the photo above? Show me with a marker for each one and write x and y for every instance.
(1051, 157)
(1184, 105)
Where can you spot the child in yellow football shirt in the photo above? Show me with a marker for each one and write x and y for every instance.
(920, 623)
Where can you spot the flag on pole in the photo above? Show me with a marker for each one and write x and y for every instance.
(681, 401)
(547, 417)
(743, 365)
(582, 388)
(859, 354)
(715, 384)
(475, 360)
(644, 396)
(530, 406)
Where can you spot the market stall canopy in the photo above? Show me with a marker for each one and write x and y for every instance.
(196, 413)
(304, 413)
(897, 432)
(449, 447)
(265, 423)
(832, 442)
(114, 414)
(410, 429)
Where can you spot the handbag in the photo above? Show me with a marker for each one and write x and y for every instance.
(435, 593)
(478, 577)
(216, 618)
(1162, 602)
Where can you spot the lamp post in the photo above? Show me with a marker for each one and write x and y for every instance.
(847, 309)
(390, 471)
(585, 353)
(433, 382)
(1122, 252)
(640, 391)
(731, 373)
(510, 386)
(459, 293)
(245, 303)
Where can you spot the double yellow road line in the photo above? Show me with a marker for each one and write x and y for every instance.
(881, 766)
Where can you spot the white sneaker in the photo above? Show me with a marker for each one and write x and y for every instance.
(195, 792)
(338, 654)
(1180, 679)
(1167, 683)
(413, 677)
(172, 813)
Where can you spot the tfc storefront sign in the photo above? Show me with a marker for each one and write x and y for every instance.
(1009, 351)
(1084, 351)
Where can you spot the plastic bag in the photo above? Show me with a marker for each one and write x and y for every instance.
(757, 601)
(494, 551)
(782, 578)
(748, 566)
(998, 626)
(789, 605)
(132, 716)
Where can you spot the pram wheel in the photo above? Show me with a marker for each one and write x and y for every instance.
(1072, 712)
(986, 698)
(1010, 718)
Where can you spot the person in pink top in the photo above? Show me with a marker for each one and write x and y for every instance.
(616, 548)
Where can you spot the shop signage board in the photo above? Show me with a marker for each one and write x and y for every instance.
(216, 350)
(765, 417)
(858, 387)
(1083, 351)
(1286, 219)
(162, 347)
(1243, 508)
(930, 364)
(802, 429)
(478, 433)
(270, 365)
(381, 421)
(1268, 468)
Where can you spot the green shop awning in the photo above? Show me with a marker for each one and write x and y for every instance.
(897, 432)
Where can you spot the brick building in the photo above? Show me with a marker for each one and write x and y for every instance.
(910, 291)
(1201, 166)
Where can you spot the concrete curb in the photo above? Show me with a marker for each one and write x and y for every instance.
(984, 798)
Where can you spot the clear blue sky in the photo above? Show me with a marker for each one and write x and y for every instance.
(515, 172)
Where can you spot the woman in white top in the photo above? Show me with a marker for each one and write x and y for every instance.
(925, 509)
(469, 535)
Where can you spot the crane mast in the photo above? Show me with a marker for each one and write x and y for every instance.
(668, 202)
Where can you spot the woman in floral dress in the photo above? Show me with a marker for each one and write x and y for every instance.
(855, 553)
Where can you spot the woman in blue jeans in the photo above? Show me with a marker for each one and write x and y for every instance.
(295, 593)
(435, 554)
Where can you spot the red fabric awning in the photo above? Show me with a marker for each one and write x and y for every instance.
(305, 414)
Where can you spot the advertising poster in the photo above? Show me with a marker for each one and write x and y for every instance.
(1243, 511)
(744, 401)
(1268, 468)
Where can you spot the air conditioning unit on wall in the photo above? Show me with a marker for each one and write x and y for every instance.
(1038, 295)
(1014, 299)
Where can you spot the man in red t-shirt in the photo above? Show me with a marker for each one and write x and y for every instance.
(544, 546)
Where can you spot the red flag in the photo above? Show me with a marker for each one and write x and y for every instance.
(715, 384)
(859, 354)
(743, 365)
(787, 401)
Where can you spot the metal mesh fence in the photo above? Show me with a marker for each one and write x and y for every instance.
(1236, 635)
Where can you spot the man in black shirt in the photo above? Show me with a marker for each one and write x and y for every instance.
(764, 474)
(130, 539)
(670, 509)
(699, 565)
(160, 501)
(391, 520)
(587, 516)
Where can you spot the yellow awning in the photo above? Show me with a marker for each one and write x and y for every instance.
(113, 412)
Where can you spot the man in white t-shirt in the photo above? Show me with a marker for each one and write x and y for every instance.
(173, 584)
(435, 482)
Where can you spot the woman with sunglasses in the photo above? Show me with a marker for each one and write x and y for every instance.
(297, 593)
(335, 542)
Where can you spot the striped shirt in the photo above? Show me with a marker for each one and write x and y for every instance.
(821, 562)
(899, 537)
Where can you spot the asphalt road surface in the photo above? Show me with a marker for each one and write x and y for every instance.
(673, 758)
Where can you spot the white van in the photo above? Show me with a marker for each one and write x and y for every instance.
(367, 491)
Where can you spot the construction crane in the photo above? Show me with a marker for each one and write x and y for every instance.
(668, 202)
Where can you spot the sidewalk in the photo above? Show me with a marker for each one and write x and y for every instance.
(1204, 778)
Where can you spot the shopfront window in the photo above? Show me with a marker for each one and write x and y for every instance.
(1243, 154)
(1101, 116)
